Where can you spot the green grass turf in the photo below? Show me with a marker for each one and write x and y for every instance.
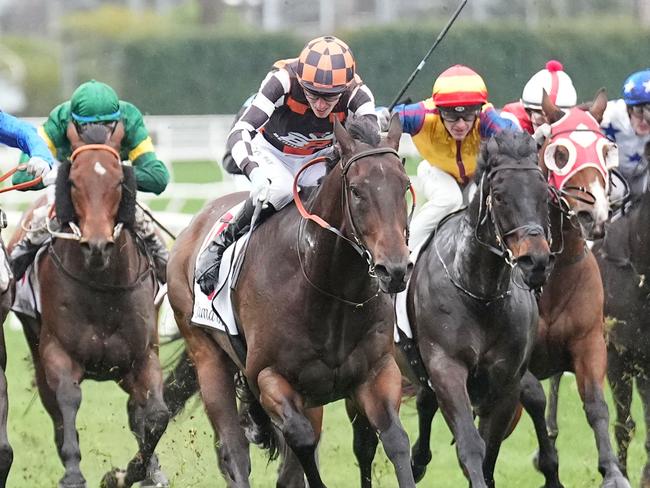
(187, 448)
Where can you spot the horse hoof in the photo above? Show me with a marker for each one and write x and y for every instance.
(616, 482)
(115, 478)
(155, 476)
(73, 481)
(419, 471)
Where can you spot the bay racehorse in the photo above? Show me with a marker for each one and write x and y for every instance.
(624, 259)
(472, 309)
(97, 317)
(314, 307)
(577, 159)
(6, 299)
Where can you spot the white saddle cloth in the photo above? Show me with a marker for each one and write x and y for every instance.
(401, 315)
(216, 311)
(28, 290)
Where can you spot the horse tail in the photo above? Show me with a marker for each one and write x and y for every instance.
(181, 384)
(255, 421)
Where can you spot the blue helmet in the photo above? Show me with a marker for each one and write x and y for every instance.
(636, 89)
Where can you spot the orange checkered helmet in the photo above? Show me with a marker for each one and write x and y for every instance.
(459, 86)
(325, 65)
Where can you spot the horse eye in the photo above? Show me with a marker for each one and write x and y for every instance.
(355, 192)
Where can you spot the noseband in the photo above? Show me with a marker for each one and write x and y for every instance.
(76, 231)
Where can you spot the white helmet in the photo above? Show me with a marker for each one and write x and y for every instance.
(557, 84)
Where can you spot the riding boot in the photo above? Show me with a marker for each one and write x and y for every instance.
(207, 267)
(22, 255)
(156, 247)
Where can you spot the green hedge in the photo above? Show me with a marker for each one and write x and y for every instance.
(202, 73)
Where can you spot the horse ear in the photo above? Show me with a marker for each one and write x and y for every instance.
(73, 136)
(343, 139)
(552, 112)
(117, 135)
(597, 108)
(394, 132)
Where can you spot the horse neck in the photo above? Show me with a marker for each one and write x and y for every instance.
(329, 261)
(566, 237)
(490, 274)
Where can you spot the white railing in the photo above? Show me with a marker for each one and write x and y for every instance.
(176, 138)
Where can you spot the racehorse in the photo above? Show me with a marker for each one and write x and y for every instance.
(577, 160)
(471, 308)
(624, 260)
(6, 299)
(97, 317)
(314, 307)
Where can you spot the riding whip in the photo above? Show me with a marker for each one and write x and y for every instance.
(442, 34)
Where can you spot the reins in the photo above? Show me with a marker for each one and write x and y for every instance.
(19, 186)
(357, 244)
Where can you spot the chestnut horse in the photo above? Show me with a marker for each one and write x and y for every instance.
(577, 159)
(97, 306)
(624, 259)
(315, 310)
(471, 307)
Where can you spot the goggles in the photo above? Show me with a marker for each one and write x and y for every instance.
(313, 96)
(453, 116)
(642, 111)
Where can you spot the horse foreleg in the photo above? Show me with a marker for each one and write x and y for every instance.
(379, 399)
(643, 385)
(590, 364)
(449, 380)
(148, 417)
(301, 431)
(63, 376)
(534, 401)
(364, 442)
(551, 415)
(493, 428)
(427, 405)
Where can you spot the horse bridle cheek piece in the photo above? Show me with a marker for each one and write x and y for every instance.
(357, 243)
(529, 229)
(76, 231)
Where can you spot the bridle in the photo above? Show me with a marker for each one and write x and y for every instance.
(76, 234)
(487, 210)
(356, 242)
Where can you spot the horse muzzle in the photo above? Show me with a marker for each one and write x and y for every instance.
(591, 226)
(97, 252)
(393, 275)
(535, 261)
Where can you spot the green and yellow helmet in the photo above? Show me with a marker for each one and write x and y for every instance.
(94, 101)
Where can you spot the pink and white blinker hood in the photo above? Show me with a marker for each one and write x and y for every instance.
(580, 134)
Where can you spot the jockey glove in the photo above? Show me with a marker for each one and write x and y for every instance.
(38, 166)
(260, 184)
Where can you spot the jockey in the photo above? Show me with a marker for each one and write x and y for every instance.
(94, 102)
(21, 135)
(527, 112)
(626, 121)
(289, 121)
(447, 130)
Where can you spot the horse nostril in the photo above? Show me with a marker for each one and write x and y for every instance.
(585, 218)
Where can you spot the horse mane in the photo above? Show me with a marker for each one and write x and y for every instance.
(95, 133)
(506, 146)
(363, 129)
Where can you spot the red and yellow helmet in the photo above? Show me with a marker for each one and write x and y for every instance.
(326, 65)
(459, 86)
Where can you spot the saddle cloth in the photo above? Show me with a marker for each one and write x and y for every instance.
(28, 290)
(215, 311)
(401, 316)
